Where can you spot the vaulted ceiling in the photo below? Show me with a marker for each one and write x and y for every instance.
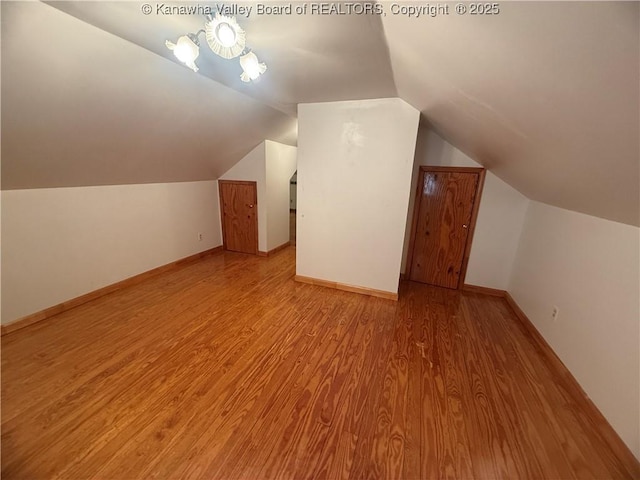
(544, 94)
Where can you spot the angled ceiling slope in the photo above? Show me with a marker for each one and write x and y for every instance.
(84, 107)
(311, 58)
(544, 94)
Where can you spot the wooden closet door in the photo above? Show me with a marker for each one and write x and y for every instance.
(238, 205)
(445, 204)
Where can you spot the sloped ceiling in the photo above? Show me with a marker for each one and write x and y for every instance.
(311, 58)
(545, 94)
(83, 107)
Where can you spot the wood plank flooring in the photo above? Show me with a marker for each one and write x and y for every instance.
(227, 368)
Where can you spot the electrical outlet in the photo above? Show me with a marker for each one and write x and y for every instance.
(554, 313)
(200, 237)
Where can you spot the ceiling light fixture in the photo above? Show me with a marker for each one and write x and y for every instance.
(226, 39)
(251, 66)
(186, 50)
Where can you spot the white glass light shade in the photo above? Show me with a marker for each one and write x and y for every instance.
(186, 51)
(225, 37)
(251, 67)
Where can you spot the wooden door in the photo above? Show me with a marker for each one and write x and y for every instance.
(239, 211)
(445, 208)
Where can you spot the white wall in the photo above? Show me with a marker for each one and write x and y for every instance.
(589, 268)
(500, 218)
(253, 168)
(281, 164)
(354, 174)
(60, 243)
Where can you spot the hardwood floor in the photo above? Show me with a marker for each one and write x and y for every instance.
(227, 368)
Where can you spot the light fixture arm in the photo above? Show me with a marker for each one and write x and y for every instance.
(194, 36)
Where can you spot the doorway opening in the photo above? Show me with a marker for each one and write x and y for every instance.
(293, 203)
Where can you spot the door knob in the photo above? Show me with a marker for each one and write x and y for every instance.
(250, 206)
(464, 226)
